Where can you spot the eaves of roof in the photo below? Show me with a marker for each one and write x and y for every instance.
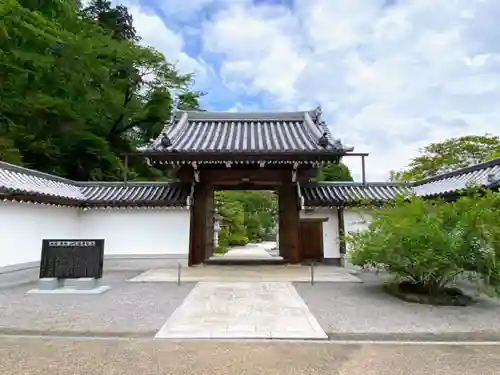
(483, 175)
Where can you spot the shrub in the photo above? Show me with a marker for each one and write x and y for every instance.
(431, 242)
(237, 239)
(219, 250)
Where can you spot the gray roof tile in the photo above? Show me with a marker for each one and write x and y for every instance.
(14, 179)
(38, 185)
(481, 175)
(18, 180)
(340, 193)
(232, 132)
(136, 193)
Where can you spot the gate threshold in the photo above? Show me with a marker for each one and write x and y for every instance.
(228, 261)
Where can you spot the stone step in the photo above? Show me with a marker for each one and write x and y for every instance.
(245, 261)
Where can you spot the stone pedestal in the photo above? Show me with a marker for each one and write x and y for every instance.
(49, 283)
(83, 285)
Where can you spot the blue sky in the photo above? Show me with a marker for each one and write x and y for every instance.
(391, 75)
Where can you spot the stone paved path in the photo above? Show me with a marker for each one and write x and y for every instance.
(246, 252)
(242, 310)
(251, 251)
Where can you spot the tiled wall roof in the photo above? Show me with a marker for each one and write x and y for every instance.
(15, 180)
(136, 193)
(345, 193)
(481, 175)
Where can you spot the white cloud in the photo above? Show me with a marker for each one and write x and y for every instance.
(186, 8)
(261, 52)
(155, 33)
(390, 80)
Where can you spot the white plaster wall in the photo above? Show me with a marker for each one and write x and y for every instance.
(355, 220)
(132, 233)
(138, 231)
(331, 239)
(24, 225)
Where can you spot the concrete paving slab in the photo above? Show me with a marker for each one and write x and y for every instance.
(242, 310)
(258, 273)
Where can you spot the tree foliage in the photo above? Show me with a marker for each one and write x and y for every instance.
(247, 216)
(334, 172)
(78, 90)
(449, 155)
(250, 216)
(430, 243)
(115, 19)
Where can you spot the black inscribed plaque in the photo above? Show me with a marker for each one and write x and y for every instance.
(72, 259)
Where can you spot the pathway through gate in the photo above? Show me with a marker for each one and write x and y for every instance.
(245, 302)
(242, 310)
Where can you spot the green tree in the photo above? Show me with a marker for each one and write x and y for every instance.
(334, 172)
(395, 176)
(77, 90)
(430, 243)
(248, 215)
(190, 101)
(8, 152)
(260, 210)
(449, 155)
(494, 155)
(115, 19)
(233, 220)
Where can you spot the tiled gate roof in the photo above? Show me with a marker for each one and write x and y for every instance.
(257, 132)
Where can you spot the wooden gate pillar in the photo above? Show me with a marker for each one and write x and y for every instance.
(289, 223)
(201, 226)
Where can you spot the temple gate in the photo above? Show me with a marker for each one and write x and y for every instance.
(274, 151)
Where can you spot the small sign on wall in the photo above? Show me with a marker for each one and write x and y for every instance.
(72, 259)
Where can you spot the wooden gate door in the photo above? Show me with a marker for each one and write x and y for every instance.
(311, 240)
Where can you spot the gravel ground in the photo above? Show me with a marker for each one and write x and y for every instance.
(35, 356)
(366, 308)
(128, 308)
(140, 309)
